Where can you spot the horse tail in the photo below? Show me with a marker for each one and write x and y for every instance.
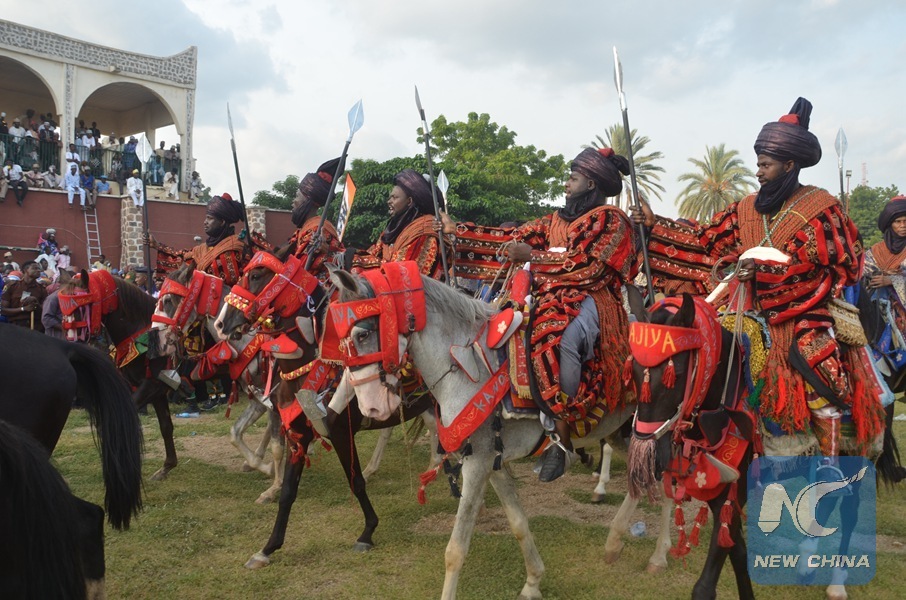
(38, 525)
(888, 465)
(107, 398)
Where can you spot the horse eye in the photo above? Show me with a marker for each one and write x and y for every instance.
(360, 336)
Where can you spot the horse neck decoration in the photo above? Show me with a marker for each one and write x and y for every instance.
(85, 306)
(186, 296)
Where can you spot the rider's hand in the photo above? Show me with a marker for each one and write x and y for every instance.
(745, 269)
(445, 224)
(879, 281)
(149, 240)
(642, 214)
(519, 252)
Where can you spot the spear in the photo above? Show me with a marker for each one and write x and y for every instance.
(840, 146)
(356, 120)
(145, 156)
(440, 234)
(245, 216)
(618, 80)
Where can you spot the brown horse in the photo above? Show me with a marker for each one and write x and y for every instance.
(340, 427)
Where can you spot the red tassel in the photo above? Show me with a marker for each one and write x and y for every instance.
(646, 388)
(726, 516)
(682, 547)
(679, 517)
(426, 478)
(234, 397)
(627, 371)
(700, 519)
(669, 376)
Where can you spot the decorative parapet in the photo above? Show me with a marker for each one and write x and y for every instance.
(180, 68)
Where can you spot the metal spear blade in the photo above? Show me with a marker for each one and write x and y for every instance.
(230, 120)
(617, 71)
(418, 102)
(443, 183)
(840, 143)
(356, 119)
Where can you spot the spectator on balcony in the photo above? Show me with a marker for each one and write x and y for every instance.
(72, 183)
(102, 186)
(135, 188)
(195, 187)
(52, 179)
(171, 184)
(64, 258)
(118, 171)
(30, 145)
(87, 182)
(112, 142)
(35, 178)
(129, 158)
(88, 142)
(13, 178)
(16, 139)
(47, 142)
(72, 156)
(96, 132)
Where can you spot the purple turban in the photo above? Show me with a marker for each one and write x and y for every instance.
(790, 139)
(418, 188)
(892, 211)
(604, 167)
(225, 208)
(316, 186)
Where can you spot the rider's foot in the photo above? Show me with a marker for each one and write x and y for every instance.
(210, 404)
(555, 462)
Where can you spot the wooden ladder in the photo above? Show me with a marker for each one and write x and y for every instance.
(92, 235)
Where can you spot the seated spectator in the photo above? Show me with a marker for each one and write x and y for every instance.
(47, 242)
(195, 187)
(21, 299)
(101, 264)
(9, 262)
(64, 259)
(135, 187)
(72, 183)
(48, 266)
(13, 178)
(87, 183)
(171, 185)
(102, 186)
(35, 178)
(52, 179)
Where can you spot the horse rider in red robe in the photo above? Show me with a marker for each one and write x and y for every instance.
(580, 257)
(811, 386)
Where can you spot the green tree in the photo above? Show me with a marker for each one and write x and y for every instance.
(721, 179)
(865, 205)
(280, 195)
(647, 173)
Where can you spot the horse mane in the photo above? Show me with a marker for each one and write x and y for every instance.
(181, 275)
(441, 298)
(135, 304)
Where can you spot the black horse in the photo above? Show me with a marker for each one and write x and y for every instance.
(341, 428)
(42, 376)
(130, 318)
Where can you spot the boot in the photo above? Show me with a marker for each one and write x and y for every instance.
(826, 426)
(556, 460)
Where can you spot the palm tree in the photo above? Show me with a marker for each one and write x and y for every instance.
(722, 179)
(646, 172)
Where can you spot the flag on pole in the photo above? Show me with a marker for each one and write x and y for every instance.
(346, 206)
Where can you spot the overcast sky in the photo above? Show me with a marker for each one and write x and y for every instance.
(696, 74)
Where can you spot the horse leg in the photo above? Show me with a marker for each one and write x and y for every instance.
(598, 494)
(154, 392)
(476, 470)
(534, 567)
(378, 454)
(618, 528)
(431, 425)
(252, 413)
(278, 449)
(706, 586)
(91, 546)
(849, 510)
(658, 561)
(288, 495)
(342, 435)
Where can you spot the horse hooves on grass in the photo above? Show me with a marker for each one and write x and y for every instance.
(257, 561)
(597, 498)
(265, 497)
(362, 547)
(161, 474)
(836, 592)
(654, 569)
(247, 468)
(611, 556)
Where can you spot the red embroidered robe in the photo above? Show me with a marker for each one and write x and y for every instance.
(417, 241)
(225, 259)
(826, 255)
(329, 238)
(599, 259)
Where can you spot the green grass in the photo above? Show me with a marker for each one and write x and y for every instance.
(201, 525)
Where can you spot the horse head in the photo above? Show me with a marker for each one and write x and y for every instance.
(169, 309)
(376, 388)
(660, 377)
(232, 321)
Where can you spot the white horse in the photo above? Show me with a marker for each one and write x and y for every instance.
(455, 319)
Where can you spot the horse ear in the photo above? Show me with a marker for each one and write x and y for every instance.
(284, 251)
(83, 278)
(637, 304)
(344, 280)
(685, 316)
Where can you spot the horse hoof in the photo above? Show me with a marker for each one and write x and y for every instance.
(654, 569)
(597, 498)
(161, 474)
(265, 498)
(362, 547)
(247, 468)
(836, 592)
(611, 556)
(257, 561)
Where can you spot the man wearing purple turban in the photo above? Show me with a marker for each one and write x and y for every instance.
(809, 384)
